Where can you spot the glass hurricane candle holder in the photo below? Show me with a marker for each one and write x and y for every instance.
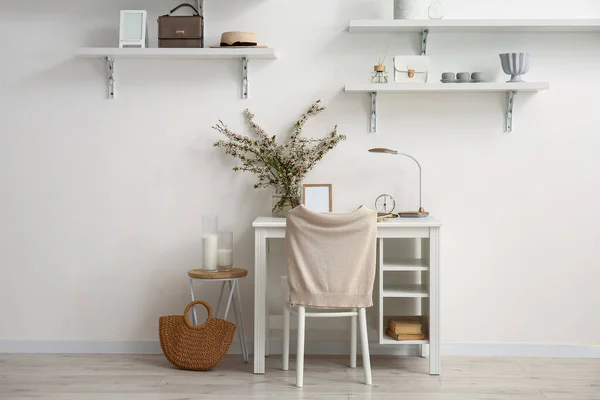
(210, 239)
(225, 251)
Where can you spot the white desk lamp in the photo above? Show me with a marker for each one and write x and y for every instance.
(408, 214)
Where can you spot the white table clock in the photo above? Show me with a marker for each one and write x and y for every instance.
(134, 29)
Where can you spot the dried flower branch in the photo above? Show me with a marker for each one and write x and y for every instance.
(280, 165)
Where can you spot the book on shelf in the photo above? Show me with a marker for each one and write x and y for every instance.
(401, 337)
(405, 325)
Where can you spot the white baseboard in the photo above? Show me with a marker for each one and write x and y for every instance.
(313, 347)
(493, 349)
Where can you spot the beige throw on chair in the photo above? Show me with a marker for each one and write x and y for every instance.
(331, 264)
(331, 258)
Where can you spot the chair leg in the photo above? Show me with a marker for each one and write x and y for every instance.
(239, 320)
(194, 316)
(300, 352)
(286, 337)
(364, 341)
(353, 340)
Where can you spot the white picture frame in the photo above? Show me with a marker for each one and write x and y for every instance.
(133, 31)
(318, 197)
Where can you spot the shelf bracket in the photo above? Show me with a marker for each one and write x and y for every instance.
(244, 77)
(110, 66)
(424, 35)
(373, 112)
(510, 102)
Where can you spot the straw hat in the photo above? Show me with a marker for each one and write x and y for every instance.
(238, 39)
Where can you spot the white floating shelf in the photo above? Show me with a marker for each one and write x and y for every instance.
(112, 54)
(405, 265)
(405, 291)
(177, 54)
(448, 87)
(509, 88)
(462, 25)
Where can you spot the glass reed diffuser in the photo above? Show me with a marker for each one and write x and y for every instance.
(379, 74)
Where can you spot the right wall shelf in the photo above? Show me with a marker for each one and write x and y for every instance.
(509, 88)
(426, 26)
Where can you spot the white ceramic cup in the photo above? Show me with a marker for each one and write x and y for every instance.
(478, 76)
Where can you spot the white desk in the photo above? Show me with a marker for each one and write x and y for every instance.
(425, 229)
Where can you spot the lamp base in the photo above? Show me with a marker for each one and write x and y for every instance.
(414, 214)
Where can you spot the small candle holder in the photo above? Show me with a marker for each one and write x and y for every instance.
(379, 75)
(225, 251)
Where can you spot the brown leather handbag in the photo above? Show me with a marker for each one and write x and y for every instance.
(181, 31)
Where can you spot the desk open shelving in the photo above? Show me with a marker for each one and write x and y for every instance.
(393, 275)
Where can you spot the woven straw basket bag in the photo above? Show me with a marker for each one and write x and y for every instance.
(195, 347)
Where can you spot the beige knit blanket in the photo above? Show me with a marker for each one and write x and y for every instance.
(331, 258)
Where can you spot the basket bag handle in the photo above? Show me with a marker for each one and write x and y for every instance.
(189, 307)
(183, 5)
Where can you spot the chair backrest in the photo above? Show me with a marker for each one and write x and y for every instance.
(331, 258)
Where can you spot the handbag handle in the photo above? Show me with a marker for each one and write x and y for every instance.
(183, 5)
(189, 307)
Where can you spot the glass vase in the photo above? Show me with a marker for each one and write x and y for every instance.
(285, 198)
(210, 238)
(225, 251)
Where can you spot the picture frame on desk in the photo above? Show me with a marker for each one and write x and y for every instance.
(318, 197)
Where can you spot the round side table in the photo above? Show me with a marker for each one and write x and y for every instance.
(232, 279)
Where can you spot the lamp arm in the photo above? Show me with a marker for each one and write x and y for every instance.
(420, 179)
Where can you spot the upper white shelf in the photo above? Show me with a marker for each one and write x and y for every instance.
(163, 53)
(492, 25)
(111, 54)
(448, 87)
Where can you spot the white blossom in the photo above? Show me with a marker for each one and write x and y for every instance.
(279, 165)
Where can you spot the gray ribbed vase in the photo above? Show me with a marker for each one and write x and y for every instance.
(515, 65)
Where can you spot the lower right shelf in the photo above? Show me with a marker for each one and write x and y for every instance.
(510, 89)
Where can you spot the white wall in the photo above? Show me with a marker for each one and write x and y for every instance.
(102, 200)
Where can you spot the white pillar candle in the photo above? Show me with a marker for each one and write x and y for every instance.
(225, 258)
(209, 248)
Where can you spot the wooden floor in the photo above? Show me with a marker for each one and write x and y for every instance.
(91, 377)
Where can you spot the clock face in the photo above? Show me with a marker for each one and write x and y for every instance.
(385, 204)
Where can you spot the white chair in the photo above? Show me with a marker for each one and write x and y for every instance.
(336, 244)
